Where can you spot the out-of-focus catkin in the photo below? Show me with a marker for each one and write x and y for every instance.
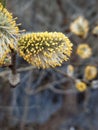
(81, 86)
(84, 51)
(80, 27)
(90, 72)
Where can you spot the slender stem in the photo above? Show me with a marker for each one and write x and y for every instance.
(13, 69)
(13, 62)
(67, 76)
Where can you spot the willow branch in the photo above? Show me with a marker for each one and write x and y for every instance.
(13, 62)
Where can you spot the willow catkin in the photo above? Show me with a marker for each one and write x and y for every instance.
(8, 31)
(45, 49)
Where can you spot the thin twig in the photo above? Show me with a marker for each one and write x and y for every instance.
(67, 76)
(51, 86)
(22, 69)
(13, 62)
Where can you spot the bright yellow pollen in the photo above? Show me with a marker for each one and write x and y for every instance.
(81, 86)
(90, 72)
(45, 49)
(84, 51)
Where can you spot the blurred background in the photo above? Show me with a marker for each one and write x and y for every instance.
(48, 99)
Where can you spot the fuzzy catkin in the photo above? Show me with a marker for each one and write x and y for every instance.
(45, 49)
(8, 33)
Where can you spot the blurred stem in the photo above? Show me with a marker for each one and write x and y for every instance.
(13, 62)
(14, 77)
(67, 76)
(3, 2)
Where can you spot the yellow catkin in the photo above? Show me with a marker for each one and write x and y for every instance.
(80, 27)
(81, 86)
(90, 72)
(8, 31)
(45, 49)
(70, 70)
(95, 31)
(84, 51)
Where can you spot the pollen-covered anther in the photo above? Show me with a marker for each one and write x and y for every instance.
(45, 49)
